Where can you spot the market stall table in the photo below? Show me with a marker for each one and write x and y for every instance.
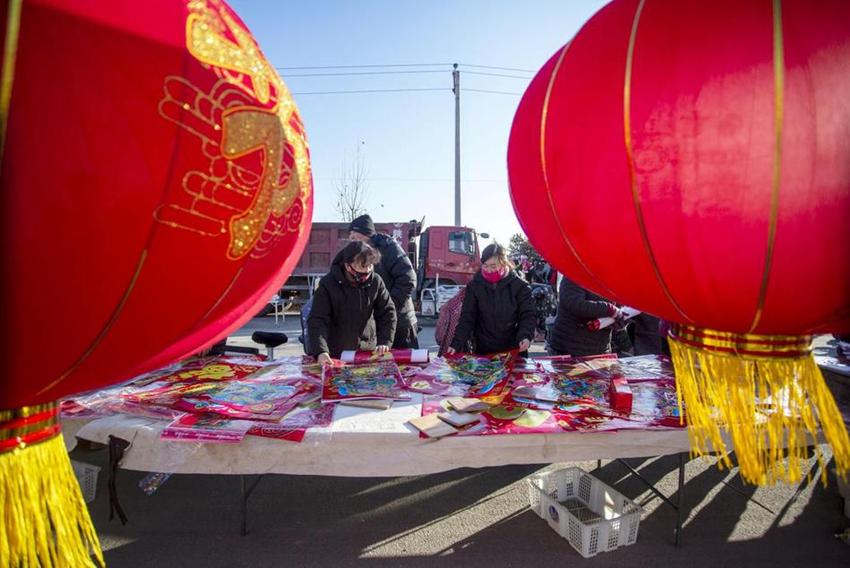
(370, 443)
(367, 443)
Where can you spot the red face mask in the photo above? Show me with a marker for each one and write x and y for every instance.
(493, 276)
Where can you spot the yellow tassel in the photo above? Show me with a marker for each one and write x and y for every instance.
(767, 405)
(45, 520)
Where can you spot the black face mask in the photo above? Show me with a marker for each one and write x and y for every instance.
(357, 276)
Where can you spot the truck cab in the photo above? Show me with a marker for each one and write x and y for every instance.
(441, 255)
(447, 254)
(448, 260)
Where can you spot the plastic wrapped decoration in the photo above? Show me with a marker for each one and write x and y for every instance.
(156, 191)
(690, 159)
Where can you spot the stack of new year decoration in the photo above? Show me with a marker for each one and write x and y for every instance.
(564, 394)
(465, 385)
(179, 204)
(372, 385)
(370, 379)
(712, 138)
(218, 399)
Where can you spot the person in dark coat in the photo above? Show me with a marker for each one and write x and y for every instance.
(398, 275)
(498, 311)
(647, 339)
(349, 295)
(577, 307)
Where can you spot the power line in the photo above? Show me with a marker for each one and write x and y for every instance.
(369, 91)
(467, 89)
(365, 66)
(499, 68)
(423, 180)
(374, 65)
(348, 73)
(494, 74)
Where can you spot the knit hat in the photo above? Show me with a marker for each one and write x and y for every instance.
(363, 225)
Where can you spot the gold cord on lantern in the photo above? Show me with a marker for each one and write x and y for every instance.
(45, 520)
(766, 393)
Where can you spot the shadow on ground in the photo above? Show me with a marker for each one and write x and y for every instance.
(474, 517)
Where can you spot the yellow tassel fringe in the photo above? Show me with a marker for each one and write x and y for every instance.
(46, 523)
(767, 406)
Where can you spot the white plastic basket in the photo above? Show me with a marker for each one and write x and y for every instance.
(589, 514)
(86, 474)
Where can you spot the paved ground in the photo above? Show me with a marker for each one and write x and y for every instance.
(468, 517)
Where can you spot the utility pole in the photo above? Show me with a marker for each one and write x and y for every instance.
(456, 91)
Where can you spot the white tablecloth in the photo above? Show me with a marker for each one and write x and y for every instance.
(366, 443)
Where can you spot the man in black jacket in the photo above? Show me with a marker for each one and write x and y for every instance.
(576, 307)
(347, 298)
(396, 270)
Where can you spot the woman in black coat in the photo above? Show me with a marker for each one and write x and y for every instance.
(347, 297)
(498, 311)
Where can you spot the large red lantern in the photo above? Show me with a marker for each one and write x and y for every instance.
(691, 159)
(156, 191)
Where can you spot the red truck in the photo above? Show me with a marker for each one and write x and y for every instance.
(448, 255)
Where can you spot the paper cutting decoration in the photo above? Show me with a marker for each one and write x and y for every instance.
(461, 375)
(206, 428)
(294, 425)
(712, 138)
(156, 181)
(250, 399)
(370, 380)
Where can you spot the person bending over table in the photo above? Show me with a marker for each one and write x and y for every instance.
(576, 308)
(349, 295)
(498, 311)
(397, 272)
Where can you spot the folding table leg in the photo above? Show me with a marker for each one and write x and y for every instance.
(117, 447)
(247, 489)
(680, 500)
(678, 506)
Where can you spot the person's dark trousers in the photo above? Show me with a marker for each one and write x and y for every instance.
(406, 338)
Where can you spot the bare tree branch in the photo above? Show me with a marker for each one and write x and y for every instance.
(352, 188)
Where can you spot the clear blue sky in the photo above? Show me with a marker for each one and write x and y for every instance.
(408, 137)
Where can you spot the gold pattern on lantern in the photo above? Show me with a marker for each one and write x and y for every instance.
(231, 197)
(778, 114)
(206, 27)
(254, 205)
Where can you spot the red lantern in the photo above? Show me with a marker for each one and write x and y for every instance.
(156, 190)
(691, 160)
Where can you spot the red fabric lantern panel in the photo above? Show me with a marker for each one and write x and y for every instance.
(691, 159)
(156, 189)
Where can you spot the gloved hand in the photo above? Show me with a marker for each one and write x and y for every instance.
(620, 321)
